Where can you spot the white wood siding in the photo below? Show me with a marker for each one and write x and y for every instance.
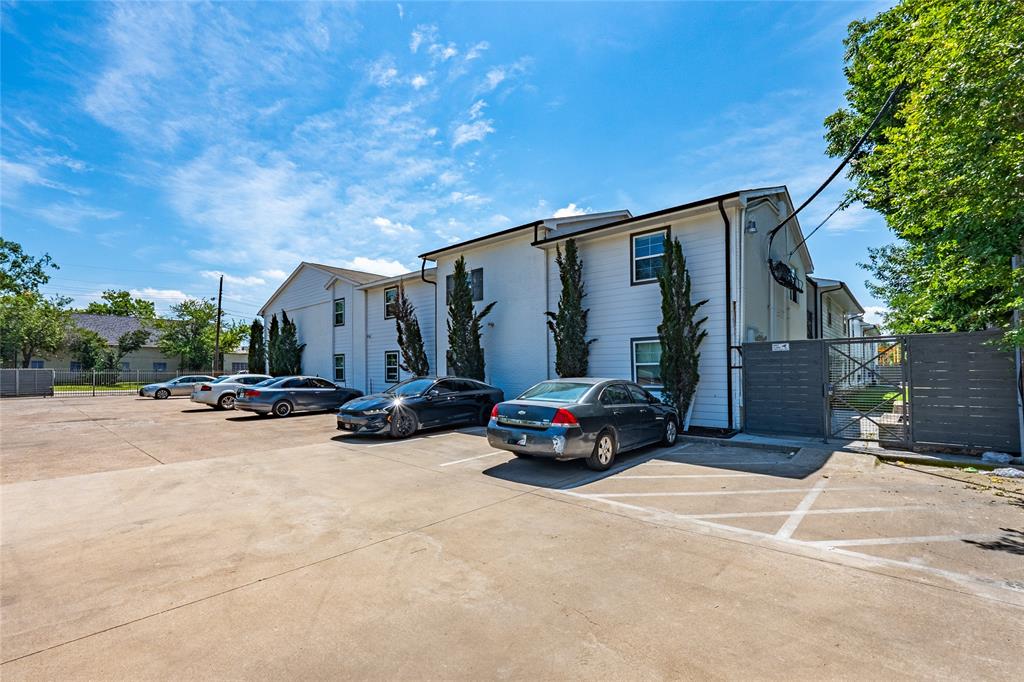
(515, 347)
(620, 312)
(309, 305)
(382, 336)
(343, 335)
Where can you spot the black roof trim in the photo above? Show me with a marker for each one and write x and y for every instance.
(481, 238)
(645, 216)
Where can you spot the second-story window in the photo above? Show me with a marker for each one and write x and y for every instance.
(390, 302)
(339, 312)
(476, 285)
(648, 255)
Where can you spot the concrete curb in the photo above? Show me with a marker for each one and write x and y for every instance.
(936, 462)
(729, 442)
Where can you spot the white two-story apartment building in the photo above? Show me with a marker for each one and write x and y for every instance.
(346, 319)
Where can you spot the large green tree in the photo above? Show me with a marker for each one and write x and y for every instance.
(121, 303)
(410, 338)
(31, 325)
(21, 272)
(86, 347)
(465, 354)
(289, 348)
(681, 332)
(276, 367)
(946, 165)
(189, 333)
(257, 347)
(569, 324)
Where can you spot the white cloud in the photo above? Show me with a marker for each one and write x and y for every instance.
(422, 34)
(569, 211)
(382, 72)
(471, 132)
(442, 53)
(380, 266)
(68, 217)
(499, 74)
(392, 229)
(273, 274)
(477, 110)
(464, 198)
(418, 82)
(161, 295)
(250, 281)
(854, 219)
(401, 11)
(477, 50)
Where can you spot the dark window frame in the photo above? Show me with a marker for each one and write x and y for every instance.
(343, 367)
(633, 282)
(394, 303)
(397, 368)
(632, 360)
(342, 302)
(477, 297)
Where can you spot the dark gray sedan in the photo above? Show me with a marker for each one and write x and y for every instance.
(284, 395)
(582, 418)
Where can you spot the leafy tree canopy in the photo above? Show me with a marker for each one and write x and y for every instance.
(465, 354)
(31, 325)
(123, 304)
(569, 324)
(21, 272)
(409, 336)
(189, 333)
(946, 167)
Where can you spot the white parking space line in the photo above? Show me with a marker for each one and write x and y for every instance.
(793, 522)
(910, 540)
(393, 442)
(713, 463)
(689, 475)
(774, 491)
(470, 459)
(847, 510)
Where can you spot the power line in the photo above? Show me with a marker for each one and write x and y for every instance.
(840, 206)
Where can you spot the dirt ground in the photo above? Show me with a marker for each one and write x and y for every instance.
(160, 539)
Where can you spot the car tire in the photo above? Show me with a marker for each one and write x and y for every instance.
(671, 433)
(226, 402)
(404, 423)
(485, 415)
(162, 394)
(603, 456)
(282, 408)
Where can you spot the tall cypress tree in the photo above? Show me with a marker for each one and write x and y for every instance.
(569, 324)
(465, 354)
(257, 347)
(681, 334)
(289, 348)
(274, 348)
(410, 338)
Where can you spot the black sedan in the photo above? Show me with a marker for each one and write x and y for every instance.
(283, 395)
(582, 418)
(420, 402)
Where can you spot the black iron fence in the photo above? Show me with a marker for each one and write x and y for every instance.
(66, 383)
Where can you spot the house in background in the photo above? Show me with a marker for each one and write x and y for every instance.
(147, 359)
(834, 312)
(346, 318)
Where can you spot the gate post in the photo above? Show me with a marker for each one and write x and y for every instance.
(826, 426)
(94, 382)
(17, 383)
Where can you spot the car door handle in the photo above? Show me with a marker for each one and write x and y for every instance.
(616, 411)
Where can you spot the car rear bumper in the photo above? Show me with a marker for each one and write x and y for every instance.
(358, 423)
(205, 397)
(555, 442)
(262, 408)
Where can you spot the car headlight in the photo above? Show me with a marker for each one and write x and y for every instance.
(370, 413)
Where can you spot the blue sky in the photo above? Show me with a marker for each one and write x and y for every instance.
(153, 146)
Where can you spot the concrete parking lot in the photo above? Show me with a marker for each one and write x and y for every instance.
(157, 539)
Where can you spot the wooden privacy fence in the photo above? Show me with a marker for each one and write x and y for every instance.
(955, 390)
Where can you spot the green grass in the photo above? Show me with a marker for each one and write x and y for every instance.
(868, 396)
(88, 388)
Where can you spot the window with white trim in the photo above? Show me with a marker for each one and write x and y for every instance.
(390, 303)
(391, 367)
(339, 367)
(339, 312)
(648, 256)
(647, 363)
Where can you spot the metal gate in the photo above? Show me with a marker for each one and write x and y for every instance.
(867, 389)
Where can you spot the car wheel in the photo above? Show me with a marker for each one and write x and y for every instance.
(671, 433)
(226, 402)
(282, 408)
(604, 452)
(162, 394)
(403, 423)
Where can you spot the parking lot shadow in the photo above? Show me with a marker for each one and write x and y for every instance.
(1012, 542)
(546, 473)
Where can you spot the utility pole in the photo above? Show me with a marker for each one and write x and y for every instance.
(216, 343)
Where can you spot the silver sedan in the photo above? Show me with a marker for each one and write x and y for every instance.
(180, 386)
(220, 393)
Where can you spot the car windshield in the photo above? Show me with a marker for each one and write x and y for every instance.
(410, 387)
(268, 382)
(557, 391)
(219, 380)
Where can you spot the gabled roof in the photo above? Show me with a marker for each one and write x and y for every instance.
(113, 327)
(356, 277)
(838, 287)
(415, 274)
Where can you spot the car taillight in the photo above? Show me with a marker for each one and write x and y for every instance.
(494, 412)
(251, 393)
(205, 387)
(564, 418)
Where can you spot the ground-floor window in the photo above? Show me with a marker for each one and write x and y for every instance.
(339, 368)
(647, 362)
(239, 366)
(125, 366)
(391, 367)
(35, 364)
(76, 367)
(159, 366)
